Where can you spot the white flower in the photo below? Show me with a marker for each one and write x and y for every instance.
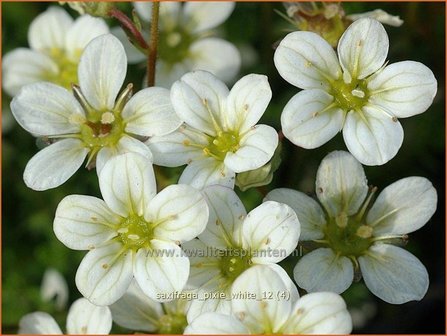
(56, 43)
(355, 92)
(262, 304)
(233, 242)
(379, 15)
(83, 318)
(220, 136)
(354, 238)
(137, 312)
(55, 287)
(92, 121)
(186, 42)
(132, 233)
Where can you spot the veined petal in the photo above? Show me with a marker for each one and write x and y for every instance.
(149, 112)
(216, 55)
(363, 48)
(319, 313)
(135, 311)
(47, 109)
(84, 29)
(403, 207)
(102, 70)
(247, 102)
(207, 15)
(393, 274)
(256, 148)
(127, 184)
(292, 290)
(161, 270)
(55, 164)
(379, 15)
(24, 66)
(39, 323)
(306, 60)
(309, 120)
(105, 273)
(271, 231)
(260, 314)
(341, 184)
(199, 100)
(181, 212)
(87, 318)
(126, 144)
(311, 217)
(372, 136)
(84, 222)
(178, 148)
(205, 172)
(225, 220)
(49, 29)
(404, 88)
(216, 324)
(322, 270)
(206, 303)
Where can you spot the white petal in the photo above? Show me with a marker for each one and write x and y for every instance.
(341, 184)
(150, 112)
(169, 10)
(46, 109)
(54, 287)
(178, 148)
(306, 60)
(217, 56)
(261, 309)
(136, 311)
(38, 323)
(319, 313)
(87, 318)
(403, 207)
(133, 54)
(84, 222)
(84, 29)
(207, 303)
(404, 88)
(309, 121)
(379, 15)
(55, 164)
(256, 149)
(161, 270)
(207, 15)
(167, 73)
(24, 66)
(393, 274)
(49, 29)
(126, 144)
(102, 70)
(373, 137)
(311, 216)
(105, 273)
(216, 324)
(247, 102)
(226, 215)
(205, 172)
(292, 291)
(181, 212)
(271, 231)
(199, 99)
(322, 270)
(363, 48)
(127, 184)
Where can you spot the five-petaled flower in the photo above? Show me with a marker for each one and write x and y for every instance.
(355, 236)
(56, 44)
(92, 121)
(133, 233)
(220, 136)
(356, 92)
(262, 304)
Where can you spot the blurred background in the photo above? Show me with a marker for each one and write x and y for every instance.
(29, 246)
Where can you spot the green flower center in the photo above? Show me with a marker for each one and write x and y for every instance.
(352, 96)
(174, 44)
(234, 263)
(135, 232)
(172, 324)
(223, 143)
(67, 68)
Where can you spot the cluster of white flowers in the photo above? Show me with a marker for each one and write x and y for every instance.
(190, 258)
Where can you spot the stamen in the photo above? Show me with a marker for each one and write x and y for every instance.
(364, 231)
(360, 214)
(358, 93)
(107, 118)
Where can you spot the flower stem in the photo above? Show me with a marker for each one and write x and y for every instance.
(152, 55)
(129, 27)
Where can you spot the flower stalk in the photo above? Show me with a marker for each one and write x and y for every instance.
(152, 55)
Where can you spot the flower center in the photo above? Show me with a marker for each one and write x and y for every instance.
(174, 44)
(67, 68)
(351, 96)
(222, 144)
(234, 263)
(172, 324)
(134, 232)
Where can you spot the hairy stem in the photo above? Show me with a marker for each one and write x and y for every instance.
(152, 55)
